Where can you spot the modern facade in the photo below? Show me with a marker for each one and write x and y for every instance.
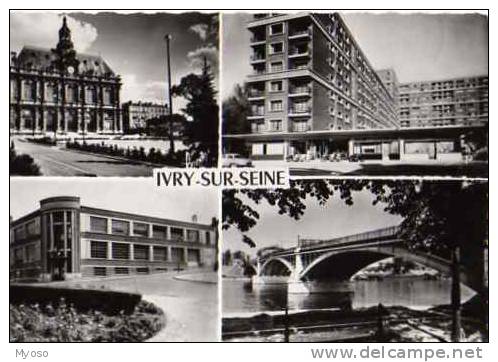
(61, 91)
(449, 102)
(310, 75)
(64, 239)
(136, 114)
(313, 93)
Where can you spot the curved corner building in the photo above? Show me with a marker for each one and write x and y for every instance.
(64, 239)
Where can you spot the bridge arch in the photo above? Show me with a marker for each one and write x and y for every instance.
(276, 266)
(344, 264)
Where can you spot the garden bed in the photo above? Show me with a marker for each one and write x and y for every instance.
(64, 323)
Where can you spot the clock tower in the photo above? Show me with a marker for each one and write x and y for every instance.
(65, 60)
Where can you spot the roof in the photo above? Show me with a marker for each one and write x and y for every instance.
(42, 58)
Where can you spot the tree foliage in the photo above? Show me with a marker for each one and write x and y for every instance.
(201, 131)
(436, 215)
(234, 115)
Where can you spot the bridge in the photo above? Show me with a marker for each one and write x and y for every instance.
(341, 258)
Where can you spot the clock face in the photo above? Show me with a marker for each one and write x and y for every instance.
(70, 69)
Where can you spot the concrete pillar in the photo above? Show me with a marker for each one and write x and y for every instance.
(150, 231)
(185, 255)
(151, 253)
(36, 119)
(109, 226)
(168, 253)
(168, 232)
(109, 250)
(350, 147)
(295, 284)
(132, 252)
(401, 149)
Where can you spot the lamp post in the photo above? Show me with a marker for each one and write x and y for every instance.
(167, 37)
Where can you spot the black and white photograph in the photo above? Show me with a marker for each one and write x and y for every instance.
(356, 261)
(110, 94)
(125, 263)
(248, 178)
(356, 93)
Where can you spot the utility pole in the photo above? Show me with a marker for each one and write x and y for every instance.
(167, 37)
(456, 327)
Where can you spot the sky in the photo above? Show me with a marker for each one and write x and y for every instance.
(417, 46)
(334, 219)
(133, 195)
(132, 44)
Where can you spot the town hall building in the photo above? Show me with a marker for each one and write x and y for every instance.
(59, 91)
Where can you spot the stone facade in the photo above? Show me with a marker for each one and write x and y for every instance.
(61, 91)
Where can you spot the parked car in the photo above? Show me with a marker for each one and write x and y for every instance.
(235, 160)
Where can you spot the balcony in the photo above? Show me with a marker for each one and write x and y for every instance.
(299, 111)
(258, 58)
(298, 91)
(299, 52)
(300, 34)
(257, 40)
(256, 114)
(256, 94)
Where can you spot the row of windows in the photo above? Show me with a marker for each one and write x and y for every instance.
(122, 251)
(122, 227)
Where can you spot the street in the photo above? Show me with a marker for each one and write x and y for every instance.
(191, 307)
(54, 161)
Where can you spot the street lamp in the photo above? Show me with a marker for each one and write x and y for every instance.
(167, 37)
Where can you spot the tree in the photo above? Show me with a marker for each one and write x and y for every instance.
(438, 217)
(201, 132)
(235, 110)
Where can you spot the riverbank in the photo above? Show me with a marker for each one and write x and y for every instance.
(389, 324)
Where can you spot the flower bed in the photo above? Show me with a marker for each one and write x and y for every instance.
(64, 323)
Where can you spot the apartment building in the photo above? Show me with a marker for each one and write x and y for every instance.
(64, 239)
(136, 114)
(310, 76)
(450, 102)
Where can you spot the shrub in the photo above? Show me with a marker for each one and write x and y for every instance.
(22, 165)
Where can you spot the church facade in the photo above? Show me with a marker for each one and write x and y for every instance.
(59, 91)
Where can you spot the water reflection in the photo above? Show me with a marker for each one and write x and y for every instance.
(418, 293)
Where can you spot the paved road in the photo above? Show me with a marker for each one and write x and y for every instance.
(191, 308)
(55, 161)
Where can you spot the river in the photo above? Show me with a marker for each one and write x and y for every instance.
(239, 298)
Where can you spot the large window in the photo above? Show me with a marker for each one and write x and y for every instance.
(160, 253)
(141, 229)
(176, 233)
(98, 224)
(276, 86)
(120, 227)
(120, 251)
(276, 66)
(98, 249)
(159, 232)
(32, 228)
(141, 252)
(276, 106)
(276, 124)
(193, 235)
(276, 48)
(277, 29)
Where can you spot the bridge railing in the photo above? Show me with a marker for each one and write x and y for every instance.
(369, 235)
